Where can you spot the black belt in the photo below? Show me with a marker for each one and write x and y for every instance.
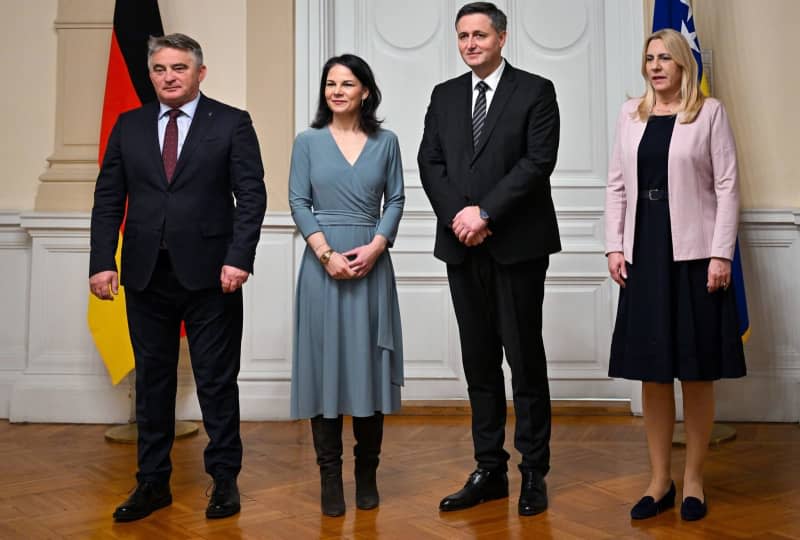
(653, 194)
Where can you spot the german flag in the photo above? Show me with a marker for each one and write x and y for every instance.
(128, 86)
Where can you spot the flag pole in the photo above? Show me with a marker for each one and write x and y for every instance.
(129, 434)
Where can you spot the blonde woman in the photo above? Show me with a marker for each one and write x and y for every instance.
(672, 206)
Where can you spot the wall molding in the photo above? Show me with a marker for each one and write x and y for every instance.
(50, 372)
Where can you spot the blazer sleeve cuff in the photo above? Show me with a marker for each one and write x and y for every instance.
(104, 266)
(240, 260)
(723, 253)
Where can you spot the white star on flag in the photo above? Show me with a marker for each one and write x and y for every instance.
(689, 7)
(691, 37)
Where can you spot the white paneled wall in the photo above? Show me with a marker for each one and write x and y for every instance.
(14, 288)
(589, 49)
(50, 371)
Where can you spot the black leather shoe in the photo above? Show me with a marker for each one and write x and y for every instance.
(648, 507)
(145, 499)
(224, 500)
(482, 486)
(533, 494)
(693, 509)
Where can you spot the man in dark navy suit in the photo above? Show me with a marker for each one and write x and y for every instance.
(190, 170)
(489, 147)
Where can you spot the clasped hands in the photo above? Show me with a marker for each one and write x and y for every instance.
(469, 227)
(357, 262)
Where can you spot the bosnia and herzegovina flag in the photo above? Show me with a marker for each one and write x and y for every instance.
(127, 86)
(677, 14)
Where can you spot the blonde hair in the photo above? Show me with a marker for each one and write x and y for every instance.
(691, 96)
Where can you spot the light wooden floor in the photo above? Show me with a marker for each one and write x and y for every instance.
(63, 481)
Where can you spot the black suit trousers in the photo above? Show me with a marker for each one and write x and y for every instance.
(214, 331)
(499, 307)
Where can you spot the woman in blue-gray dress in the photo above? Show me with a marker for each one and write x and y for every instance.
(348, 355)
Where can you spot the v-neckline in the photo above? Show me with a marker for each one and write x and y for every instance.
(339, 148)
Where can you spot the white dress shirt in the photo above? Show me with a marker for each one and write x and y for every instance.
(184, 121)
(491, 81)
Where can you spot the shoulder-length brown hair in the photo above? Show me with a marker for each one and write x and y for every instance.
(691, 96)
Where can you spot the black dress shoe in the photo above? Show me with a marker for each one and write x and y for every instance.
(482, 486)
(648, 507)
(533, 494)
(145, 499)
(224, 500)
(693, 509)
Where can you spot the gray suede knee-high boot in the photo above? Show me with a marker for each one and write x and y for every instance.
(368, 432)
(327, 434)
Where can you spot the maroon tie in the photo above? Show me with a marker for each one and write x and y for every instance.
(170, 151)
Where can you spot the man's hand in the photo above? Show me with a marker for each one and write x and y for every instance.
(473, 239)
(468, 226)
(232, 278)
(104, 285)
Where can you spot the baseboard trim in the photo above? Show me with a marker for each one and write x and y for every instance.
(560, 407)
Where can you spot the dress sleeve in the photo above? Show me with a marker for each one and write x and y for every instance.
(300, 199)
(393, 193)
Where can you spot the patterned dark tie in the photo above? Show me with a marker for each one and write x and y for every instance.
(479, 114)
(170, 151)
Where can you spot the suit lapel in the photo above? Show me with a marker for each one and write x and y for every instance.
(151, 140)
(203, 116)
(505, 88)
(462, 102)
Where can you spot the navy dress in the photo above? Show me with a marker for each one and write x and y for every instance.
(668, 325)
(348, 344)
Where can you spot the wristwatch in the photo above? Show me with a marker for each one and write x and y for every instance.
(483, 213)
(325, 257)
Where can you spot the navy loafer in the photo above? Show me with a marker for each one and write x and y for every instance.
(648, 507)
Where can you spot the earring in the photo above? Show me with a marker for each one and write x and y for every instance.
(362, 102)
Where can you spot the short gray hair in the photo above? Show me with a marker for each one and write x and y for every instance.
(174, 41)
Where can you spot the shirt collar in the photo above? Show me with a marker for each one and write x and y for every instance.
(188, 108)
(493, 79)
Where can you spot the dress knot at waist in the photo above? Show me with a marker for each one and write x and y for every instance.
(341, 217)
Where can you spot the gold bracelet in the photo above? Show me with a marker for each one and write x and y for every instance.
(326, 257)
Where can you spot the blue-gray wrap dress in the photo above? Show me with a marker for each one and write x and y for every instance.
(348, 349)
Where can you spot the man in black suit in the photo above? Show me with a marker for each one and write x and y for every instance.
(489, 146)
(190, 170)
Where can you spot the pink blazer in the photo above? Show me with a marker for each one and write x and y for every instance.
(702, 185)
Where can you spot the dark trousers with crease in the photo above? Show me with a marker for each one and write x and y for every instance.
(214, 331)
(499, 307)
